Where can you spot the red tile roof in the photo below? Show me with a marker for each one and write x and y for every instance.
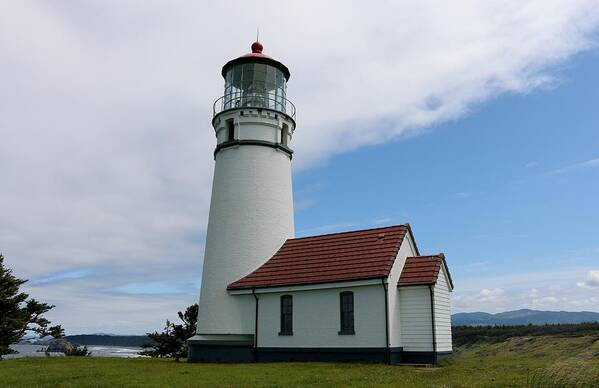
(423, 270)
(360, 254)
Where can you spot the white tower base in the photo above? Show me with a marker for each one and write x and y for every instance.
(251, 216)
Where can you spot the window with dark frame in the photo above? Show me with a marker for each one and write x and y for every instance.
(230, 130)
(347, 312)
(284, 135)
(286, 315)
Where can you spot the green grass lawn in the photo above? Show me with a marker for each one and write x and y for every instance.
(523, 361)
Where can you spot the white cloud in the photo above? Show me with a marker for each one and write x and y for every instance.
(551, 290)
(534, 293)
(592, 281)
(488, 300)
(487, 295)
(547, 300)
(576, 166)
(591, 163)
(106, 151)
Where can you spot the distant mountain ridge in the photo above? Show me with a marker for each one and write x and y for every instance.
(109, 340)
(523, 317)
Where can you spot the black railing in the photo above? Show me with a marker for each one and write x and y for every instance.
(277, 103)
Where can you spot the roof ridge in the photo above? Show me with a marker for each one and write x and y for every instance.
(439, 255)
(406, 225)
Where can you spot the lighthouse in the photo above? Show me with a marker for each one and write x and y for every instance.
(251, 208)
(360, 295)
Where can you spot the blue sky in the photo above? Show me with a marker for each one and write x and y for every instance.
(511, 188)
(476, 122)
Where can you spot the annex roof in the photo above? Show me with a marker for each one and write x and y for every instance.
(355, 255)
(420, 270)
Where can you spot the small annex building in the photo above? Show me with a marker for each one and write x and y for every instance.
(365, 295)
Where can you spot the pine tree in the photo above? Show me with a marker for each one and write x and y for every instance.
(172, 341)
(19, 313)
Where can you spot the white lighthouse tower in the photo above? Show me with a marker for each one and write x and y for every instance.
(251, 210)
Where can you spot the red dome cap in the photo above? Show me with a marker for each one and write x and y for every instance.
(257, 47)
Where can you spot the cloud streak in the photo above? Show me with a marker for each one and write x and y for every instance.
(577, 166)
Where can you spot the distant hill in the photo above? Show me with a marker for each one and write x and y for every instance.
(523, 317)
(468, 335)
(109, 339)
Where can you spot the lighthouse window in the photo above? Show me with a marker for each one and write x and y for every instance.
(230, 130)
(286, 315)
(284, 134)
(347, 312)
(255, 85)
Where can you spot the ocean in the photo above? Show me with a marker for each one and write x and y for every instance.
(96, 350)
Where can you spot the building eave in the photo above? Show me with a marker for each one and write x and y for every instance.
(399, 285)
(308, 286)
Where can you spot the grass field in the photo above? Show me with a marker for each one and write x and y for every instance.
(542, 361)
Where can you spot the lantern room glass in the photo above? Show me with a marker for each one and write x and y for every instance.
(254, 85)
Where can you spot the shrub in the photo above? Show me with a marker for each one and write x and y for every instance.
(172, 341)
(80, 351)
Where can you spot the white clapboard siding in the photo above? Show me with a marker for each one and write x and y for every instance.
(406, 250)
(415, 319)
(442, 313)
(316, 321)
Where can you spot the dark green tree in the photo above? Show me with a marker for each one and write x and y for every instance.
(172, 341)
(20, 314)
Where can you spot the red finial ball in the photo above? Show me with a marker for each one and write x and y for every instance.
(257, 47)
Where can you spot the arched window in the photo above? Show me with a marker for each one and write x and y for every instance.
(346, 301)
(286, 315)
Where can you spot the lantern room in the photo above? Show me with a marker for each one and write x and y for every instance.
(255, 80)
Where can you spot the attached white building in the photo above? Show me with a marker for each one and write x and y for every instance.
(266, 296)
